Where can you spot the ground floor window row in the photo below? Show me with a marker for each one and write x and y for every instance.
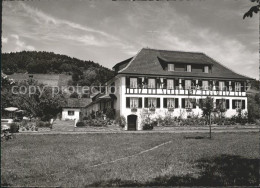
(149, 102)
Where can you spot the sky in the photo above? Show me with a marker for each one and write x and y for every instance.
(108, 32)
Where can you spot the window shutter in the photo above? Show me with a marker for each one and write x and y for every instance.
(193, 83)
(139, 82)
(183, 83)
(176, 102)
(227, 103)
(233, 104)
(158, 103)
(211, 84)
(164, 102)
(140, 102)
(157, 83)
(243, 104)
(217, 102)
(177, 83)
(200, 83)
(193, 103)
(127, 83)
(233, 85)
(217, 85)
(226, 85)
(146, 102)
(200, 103)
(183, 103)
(164, 83)
(127, 102)
(243, 86)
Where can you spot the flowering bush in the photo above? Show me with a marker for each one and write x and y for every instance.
(121, 121)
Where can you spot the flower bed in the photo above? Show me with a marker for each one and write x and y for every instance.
(34, 126)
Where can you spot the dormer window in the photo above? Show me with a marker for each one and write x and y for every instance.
(170, 67)
(206, 69)
(188, 68)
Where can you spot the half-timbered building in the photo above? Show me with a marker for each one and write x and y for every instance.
(161, 82)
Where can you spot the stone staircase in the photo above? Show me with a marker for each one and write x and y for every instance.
(63, 126)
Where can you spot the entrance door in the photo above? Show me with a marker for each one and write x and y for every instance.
(131, 122)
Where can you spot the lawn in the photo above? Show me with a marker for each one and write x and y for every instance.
(68, 160)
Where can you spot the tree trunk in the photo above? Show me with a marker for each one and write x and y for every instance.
(209, 126)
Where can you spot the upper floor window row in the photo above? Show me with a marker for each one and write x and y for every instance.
(188, 68)
(164, 83)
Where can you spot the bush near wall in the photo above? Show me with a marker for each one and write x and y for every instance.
(147, 127)
(42, 124)
(80, 124)
(14, 127)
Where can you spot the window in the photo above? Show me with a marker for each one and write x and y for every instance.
(188, 103)
(221, 103)
(205, 85)
(187, 84)
(170, 84)
(170, 103)
(180, 67)
(151, 83)
(151, 102)
(71, 113)
(221, 85)
(238, 104)
(206, 69)
(133, 82)
(133, 102)
(237, 86)
(170, 67)
(188, 68)
(197, 68)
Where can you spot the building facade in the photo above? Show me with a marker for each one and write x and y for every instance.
(159, 83)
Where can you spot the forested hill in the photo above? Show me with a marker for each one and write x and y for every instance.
(83, 72)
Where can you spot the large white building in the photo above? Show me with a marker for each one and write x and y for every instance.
(160, 82)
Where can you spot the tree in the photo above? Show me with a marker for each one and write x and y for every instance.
(43, 105)
(74, 95)
(6, 94)
(254, 9)
(207, 108)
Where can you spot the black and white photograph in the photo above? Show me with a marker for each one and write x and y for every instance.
(130, 93)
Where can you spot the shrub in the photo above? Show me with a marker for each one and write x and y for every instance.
(121, 121)
(14, 128)
(80, 124)
(74, 95)
(110, 113)
(85, 118)
(43, 124)
(147, 127)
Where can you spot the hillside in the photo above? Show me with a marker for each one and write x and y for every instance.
(83, 72)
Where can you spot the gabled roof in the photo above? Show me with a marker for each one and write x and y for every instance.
(77, 103)
(150, 62)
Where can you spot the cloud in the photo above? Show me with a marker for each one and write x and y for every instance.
(20, 45)
(4, 40)
(54, 29)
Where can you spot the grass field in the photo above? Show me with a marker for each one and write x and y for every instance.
(68, 160)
